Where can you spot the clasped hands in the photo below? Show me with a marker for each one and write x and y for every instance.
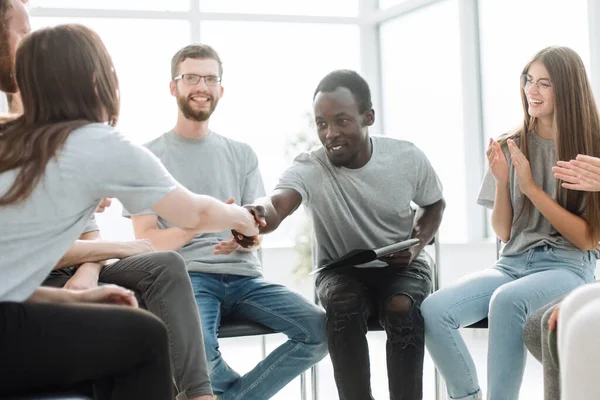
(239, 241)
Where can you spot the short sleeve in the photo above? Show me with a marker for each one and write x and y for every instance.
(487, 192)
(429, 186)
(292, 178)
(90, 226)
(119, 168)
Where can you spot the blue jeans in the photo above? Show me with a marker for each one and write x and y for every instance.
(252, 298)
(507, 293)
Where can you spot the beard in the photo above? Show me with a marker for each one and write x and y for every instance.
(196, 115)
(8, 84)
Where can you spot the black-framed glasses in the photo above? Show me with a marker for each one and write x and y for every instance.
(543, 85)
(193, 79)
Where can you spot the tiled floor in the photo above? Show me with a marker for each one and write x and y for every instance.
(476, 340)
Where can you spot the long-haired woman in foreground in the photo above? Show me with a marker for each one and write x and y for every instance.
(57, 161)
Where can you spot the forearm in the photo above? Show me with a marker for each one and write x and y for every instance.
(200, 213)
(167, 239)
(572, 227)
(272, 218)
(82, 251)
(428, 223)
(52, 295)
(502, 214)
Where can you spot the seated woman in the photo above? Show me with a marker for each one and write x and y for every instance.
(57, 161)
(579, 321)
(550, 233)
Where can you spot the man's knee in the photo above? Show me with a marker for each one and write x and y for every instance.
(402, 321)
(532, 335)
(345, 302)
(399, 304)
(169, 264)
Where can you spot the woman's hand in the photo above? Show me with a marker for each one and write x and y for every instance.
(497, 162)
(522, 168)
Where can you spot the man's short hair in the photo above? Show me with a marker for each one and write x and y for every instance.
(350, 80)
(195, 51)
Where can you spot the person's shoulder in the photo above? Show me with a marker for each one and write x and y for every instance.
(396, 146)
(156, 145)
(392, 141)
(96, 135)
(235, 144)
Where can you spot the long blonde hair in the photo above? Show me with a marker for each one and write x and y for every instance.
(66, 79)
(577, 124)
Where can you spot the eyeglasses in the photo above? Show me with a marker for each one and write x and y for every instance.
(543, 85)
(193, 79)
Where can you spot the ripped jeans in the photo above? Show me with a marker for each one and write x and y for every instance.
(352, 296)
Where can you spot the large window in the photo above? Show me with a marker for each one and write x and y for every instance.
(338, 8)
(152, 5)
(422, 98)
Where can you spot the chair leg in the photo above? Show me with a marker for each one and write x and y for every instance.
(303, 386)
(263, 344)
(314, 384)
(440, 388)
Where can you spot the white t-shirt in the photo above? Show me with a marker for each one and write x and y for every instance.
(95, 162)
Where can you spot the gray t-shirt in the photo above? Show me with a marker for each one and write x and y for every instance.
(221, 168)
(91, 225)
(533, 229)
(367, 207)
(95, 162)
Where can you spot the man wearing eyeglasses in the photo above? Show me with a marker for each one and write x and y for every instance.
(227, 278)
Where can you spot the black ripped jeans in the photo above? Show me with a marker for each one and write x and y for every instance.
(351, 296)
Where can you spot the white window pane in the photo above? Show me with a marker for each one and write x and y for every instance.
(422, 99)
(270, 73)
(504, 52)
(142, 60)
(383, 4)
(339, 8)
(153, 5)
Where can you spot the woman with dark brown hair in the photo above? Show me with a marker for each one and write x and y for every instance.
(57, 161)
(551, 234)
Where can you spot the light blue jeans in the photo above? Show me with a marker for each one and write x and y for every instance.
(254, 299)
(507, 293)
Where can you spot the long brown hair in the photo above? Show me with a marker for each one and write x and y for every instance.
(66, 79)
(577, 125)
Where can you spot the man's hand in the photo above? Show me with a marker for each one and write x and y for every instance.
(229, 246)
(86, 277)
(553, 320)
(135, 248)
(107, 294)
(249, 242)
(104, 204)
(401, 259)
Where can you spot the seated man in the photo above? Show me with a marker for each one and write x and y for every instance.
(358, 190)
(227, 285)
(160, 281)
